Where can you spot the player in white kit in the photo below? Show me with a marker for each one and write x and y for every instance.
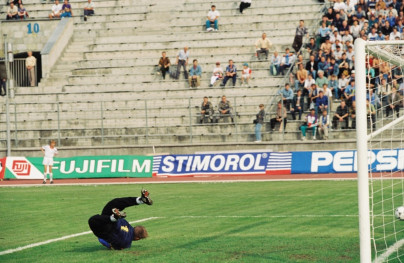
(49, 151)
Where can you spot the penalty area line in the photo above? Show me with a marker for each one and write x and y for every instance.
(385, 256)
(10, 251)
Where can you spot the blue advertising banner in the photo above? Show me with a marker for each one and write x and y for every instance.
(346, 161)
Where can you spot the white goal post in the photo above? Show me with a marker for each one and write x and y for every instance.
(366, 228)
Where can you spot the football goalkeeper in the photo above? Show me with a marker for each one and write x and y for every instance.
(112, 230)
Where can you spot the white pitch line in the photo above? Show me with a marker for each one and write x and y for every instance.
(10, 251)
(383, 257)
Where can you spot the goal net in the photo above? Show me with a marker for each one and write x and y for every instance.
(379, 68)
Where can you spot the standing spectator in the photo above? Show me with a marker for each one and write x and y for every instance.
(164, 63)
(182, 60)
(244, 4)
(12, 12)
(206, 110)
(287, 96)
(297, 105)
(245, 74)
(30, 64)
(217, 74)
(301, 31)
(281, 117)
(231, 73)
(311, 124)
(352, 113)
(342, 114)
(323, 124)
(393, 101)
(3, 87)
(67, 9)
(88, 9)
(195, 74)
(287, 61)
(313, 95)
(309, 82)
(371, 114)
(259, 121)
(275, 63)
(262, 46)
(225, 109)
(321, 103)
(213, 17)
(56, 10)
(22, 12)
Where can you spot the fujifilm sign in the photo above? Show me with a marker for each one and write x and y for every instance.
(103, 166)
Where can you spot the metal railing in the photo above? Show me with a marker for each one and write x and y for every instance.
(20, 73)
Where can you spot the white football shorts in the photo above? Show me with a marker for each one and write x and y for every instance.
(47, 161)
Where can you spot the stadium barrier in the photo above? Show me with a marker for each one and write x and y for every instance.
(246, 163)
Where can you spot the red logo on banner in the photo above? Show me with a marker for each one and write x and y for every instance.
(2, 167)
(21, 168)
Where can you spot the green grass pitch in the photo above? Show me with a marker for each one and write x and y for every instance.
(313, 221)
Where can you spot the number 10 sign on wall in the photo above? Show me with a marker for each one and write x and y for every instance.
(33, 28)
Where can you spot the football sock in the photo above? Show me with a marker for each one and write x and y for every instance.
(113, 219)
(51, 176)
(139, 201)
(44, 176)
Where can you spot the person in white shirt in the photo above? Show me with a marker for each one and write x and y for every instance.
(244, 4)
(12, 12)
(263, 45)
(216, 75)
(339, 5)
(56, 10)
(30, 64)
(213, 17)
(275, 63)
(246, 74)
(88, 9)
(49, 152)
(395, 34)
(335, 36)
(323, 125)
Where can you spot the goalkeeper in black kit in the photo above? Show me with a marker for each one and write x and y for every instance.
(112, 230)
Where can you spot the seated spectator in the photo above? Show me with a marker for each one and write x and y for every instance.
(374, 99)
(347, 37)
(311, 46)
(213, 17)
(259, 121)
(231, 73)
(287, 61)
(12, 12)
(323, 65)
(195, 74)
(343, 64)
(333, 68)
(384, 90)
(341, 114)
(245, 74)
(206, 110)
(321, 79)
(311, 124)
(338, 53)
(355, 29)
(323, 125)
(321, 102)
(312, 67)
(395, 34)
(244, 4)
(343, 82)
(88, 9)
(386, 28)
(371, 114)
(225, 109)
(333, 86)
(372, 36)
(392, 19)
(337, 22)
(393, 103)
(22, 12)
(324, 32)
(164, 64)
(287, 96)
(275, 63)
(262, 46)
(326, 47)
(67, 9)
(335, 36)
(301, 76)
(352, 114)
(56, 10)
(339, 5)
(216, 74)
(281, 117)
(301, 31)
(297, 105)
(349, 93)
(307, 88)
(3, 86)
(380, 36)
(313, 95)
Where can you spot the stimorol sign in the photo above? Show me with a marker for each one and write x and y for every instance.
(80, 167)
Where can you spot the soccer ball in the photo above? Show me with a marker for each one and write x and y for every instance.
(400, 212)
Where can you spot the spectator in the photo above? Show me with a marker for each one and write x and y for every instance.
(88, 9)
(321, 79)
(182, 60)
(3, 87)
(297, 105)
(22, 12)
(56, 10)
(343, 82)
(374, 99)
(301, 31)
(371, 114)
(339, 5)
(259, 121)
(311, 124)
(225, 109)
(213, 17)
(195, 74)
(343, 64)
(244, 4)
(67, 9)
(311, 66)
(352, 113)
(216, 75)
(307, 87)
(333, 68)
(321, 102)
(342, 114)
(311, 46)
(395, 34)
(287, 96)
(386, 29)
(281, 117)
(326, 47)
(245, 74)
(262, 46)
(301, 76)
(287, 61)
(335, 36)
(206, 110)
(313, 95)
(324, 32)
(372, 36)
(347, 37)
(164, 64)
(393, 101)
(323, 125)
(355, 29)
(30, 64)
(333, 86)
(384, 90)
(12, 12)
(275, 63)
(349, 93)
(231, 73)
